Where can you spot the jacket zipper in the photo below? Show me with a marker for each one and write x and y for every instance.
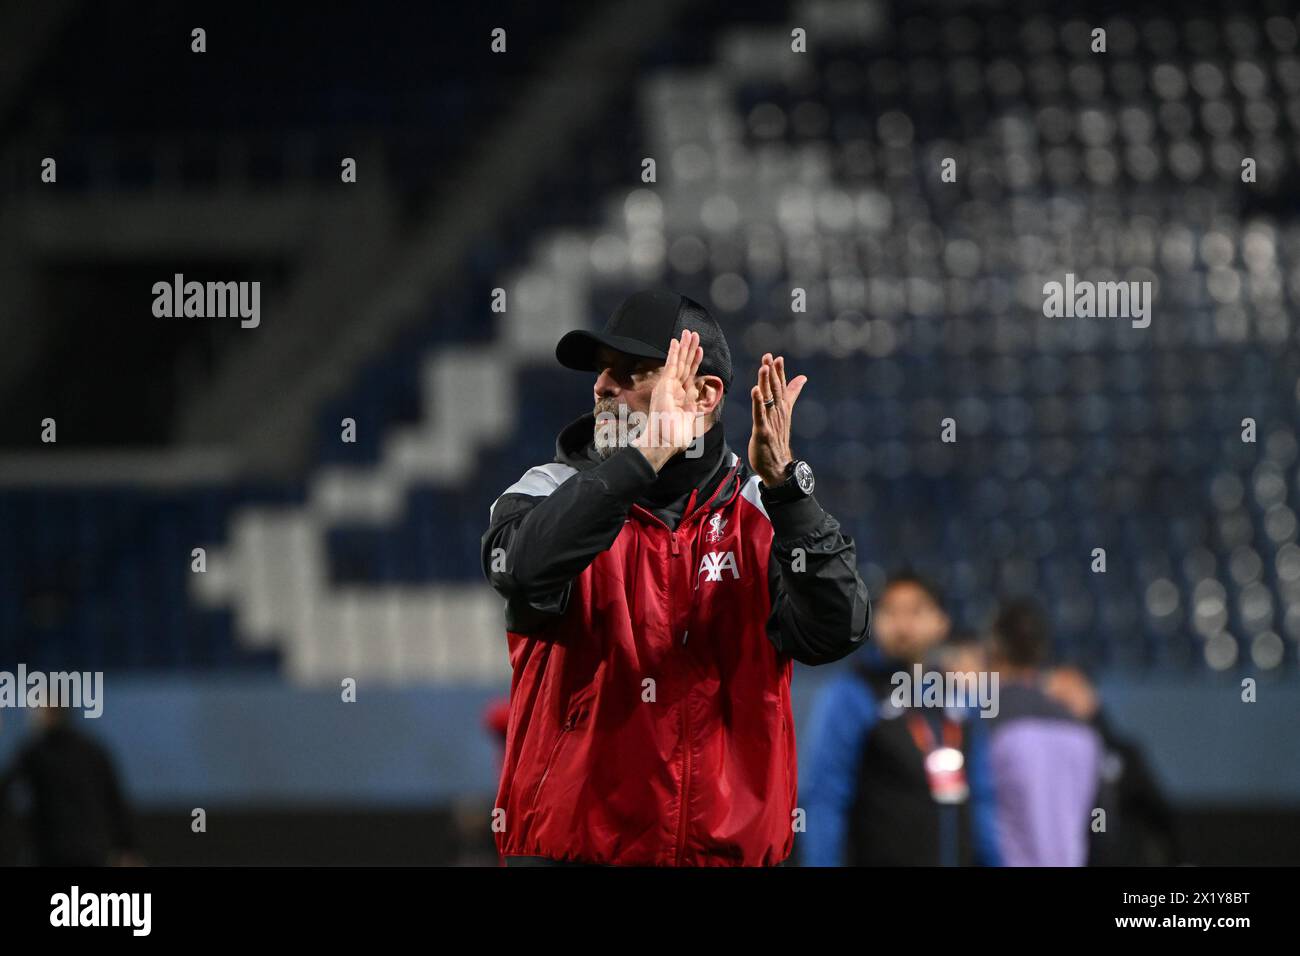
(686, 745)
(683, 813)
(686, 781)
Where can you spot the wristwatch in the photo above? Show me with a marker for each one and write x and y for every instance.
(798, 484)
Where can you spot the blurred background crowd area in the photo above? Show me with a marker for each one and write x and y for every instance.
(523, 171)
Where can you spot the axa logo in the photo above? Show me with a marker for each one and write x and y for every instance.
(715, 562)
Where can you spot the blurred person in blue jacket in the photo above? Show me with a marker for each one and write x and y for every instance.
(888, 783)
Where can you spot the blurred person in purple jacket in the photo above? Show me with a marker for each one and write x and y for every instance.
(1045, 761)
(1141, 826)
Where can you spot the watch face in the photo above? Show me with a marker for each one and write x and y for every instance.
(803, 477)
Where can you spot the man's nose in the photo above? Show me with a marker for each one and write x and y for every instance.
(606, 384)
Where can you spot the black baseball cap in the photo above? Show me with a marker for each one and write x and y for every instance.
(643, 326)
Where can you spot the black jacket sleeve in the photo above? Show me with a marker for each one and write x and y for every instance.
(820, 608)
(1145, 810)
(536, 544)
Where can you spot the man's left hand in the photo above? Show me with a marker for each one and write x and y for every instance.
(772, 401)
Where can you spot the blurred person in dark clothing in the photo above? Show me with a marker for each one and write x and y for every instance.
(871, 790)
(1140, 827)
(1046, 762)
(75, 811)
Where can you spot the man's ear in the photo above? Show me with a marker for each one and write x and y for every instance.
(709, 393)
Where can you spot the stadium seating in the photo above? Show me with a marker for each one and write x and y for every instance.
(924, 302)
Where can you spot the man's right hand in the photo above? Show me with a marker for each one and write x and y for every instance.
(671, 427)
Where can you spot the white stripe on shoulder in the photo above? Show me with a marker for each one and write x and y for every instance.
(750, 494)
(538, 482)
(731, 462)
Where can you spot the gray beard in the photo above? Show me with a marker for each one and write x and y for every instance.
(607, 440)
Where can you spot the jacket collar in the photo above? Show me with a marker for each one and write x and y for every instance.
(575, 447)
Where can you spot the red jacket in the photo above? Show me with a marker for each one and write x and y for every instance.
(650, 719)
